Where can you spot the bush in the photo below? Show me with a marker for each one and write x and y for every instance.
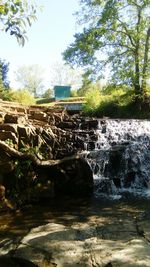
(93, 99)
(115, 102)
(22, 97)
(74, 93)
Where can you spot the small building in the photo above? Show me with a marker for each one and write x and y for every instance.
(61, 92)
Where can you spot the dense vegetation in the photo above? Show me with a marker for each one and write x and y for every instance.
(116, 34)
(116, 102)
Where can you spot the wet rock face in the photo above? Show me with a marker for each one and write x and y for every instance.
(50, 136)
(73, 178)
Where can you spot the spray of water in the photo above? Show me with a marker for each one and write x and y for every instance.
(121, 158)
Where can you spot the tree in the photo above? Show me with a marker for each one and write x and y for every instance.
(48, 93)
(15, 15)
(65, 75)
(4, 68)
(121, 31)
(30, 78)
(86, 84)
(4, 83)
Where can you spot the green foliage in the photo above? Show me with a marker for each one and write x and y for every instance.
(22, 97)
(74, 93)
(4, 84)
(48, 93)
(4, 68)
(116, 34)
(86, 84)
(4, 93)
(15, 16)
(93, 100)
(117, 102)
(9, 142)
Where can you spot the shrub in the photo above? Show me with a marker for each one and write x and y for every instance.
(74, 93)
(22, 97)
(93, 98)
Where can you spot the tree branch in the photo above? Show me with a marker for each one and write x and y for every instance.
(127, 32)
(28, 156)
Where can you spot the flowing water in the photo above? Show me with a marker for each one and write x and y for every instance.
(109, 229)
(121, 158)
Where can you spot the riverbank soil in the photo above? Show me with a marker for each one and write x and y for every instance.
(83, 233)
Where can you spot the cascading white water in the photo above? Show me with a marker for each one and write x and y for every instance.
(121, 158)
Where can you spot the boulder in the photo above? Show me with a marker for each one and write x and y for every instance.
(73, 177)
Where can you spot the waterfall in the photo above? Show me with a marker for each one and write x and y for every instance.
(121, 158)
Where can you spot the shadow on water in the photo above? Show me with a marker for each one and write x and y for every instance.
(15, 262)
(68, 211)
(111, 221)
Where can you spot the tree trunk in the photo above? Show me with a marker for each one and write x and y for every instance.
(138, 89)
(145, 65)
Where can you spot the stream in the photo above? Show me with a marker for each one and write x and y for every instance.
(109, 229)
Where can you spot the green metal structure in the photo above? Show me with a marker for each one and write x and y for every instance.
(62, 92)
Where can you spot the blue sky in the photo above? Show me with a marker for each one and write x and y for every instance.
(48, 37)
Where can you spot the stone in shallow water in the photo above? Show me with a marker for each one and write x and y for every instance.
(84, 245)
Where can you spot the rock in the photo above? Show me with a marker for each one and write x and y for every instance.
(26, 135)
(67, 125)
(73, 178)
(8, 135)
(6, 261)
(40, 116)
(6, 167)
(115, 163)
(89, 124)
(85, 244)
(2, 115)
(9, 118)
(4, 203)
(9, 127)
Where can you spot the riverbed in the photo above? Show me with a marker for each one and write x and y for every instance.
(78, 232)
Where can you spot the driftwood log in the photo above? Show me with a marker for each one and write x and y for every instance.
(33, 157)
(68, 176)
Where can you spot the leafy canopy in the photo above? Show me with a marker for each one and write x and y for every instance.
(15, 15)
(115, 34)
(30, 77)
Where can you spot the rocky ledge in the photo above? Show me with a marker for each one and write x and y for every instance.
(40, 153)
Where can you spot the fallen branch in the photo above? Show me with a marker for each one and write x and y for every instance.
(28, 156)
